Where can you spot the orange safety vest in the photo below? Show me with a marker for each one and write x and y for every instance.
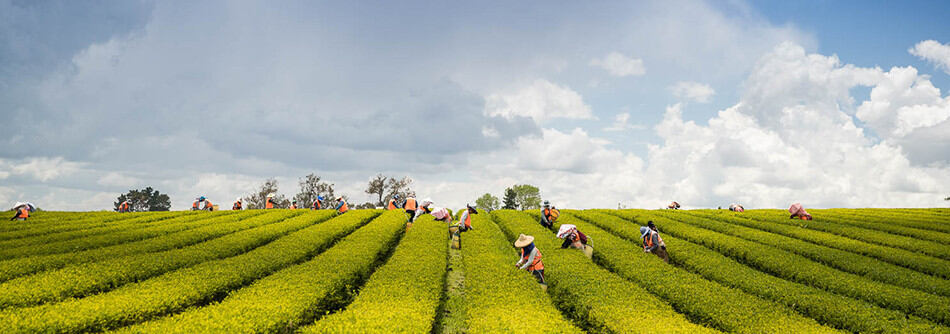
(316, 205)
(293, 206)
(648, 240)
(537, 264)
(468, 220)
(269, 204)
(236, 206)
(194, 205)
(392, 205)
(24, 213)
(124, 207)
(410, 204)
(344, 208)
(208, 205)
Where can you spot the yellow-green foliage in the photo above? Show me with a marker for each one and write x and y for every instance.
(839, 259)
(403, 295)
(599, 299)
(876, 237)
(130, 231)
(500, 298)
(916, 261)
(828, 308)
(211, 226)
(889, 223)
(88, 278)
(50, 243)
(295, 295)
(800, 269)
(49, 222)
(177, 290)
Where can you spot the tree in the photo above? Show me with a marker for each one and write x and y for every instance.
(947, 199)
(400, 187)
(385, 188)
(310, 187)
(257, 199)
(146, 199)
(527, 196)
(366, 205)
(377, 186)
(510, 201)
(487, 202)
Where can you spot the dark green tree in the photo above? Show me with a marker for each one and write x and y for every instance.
(487, 202)
(146, 199)
(510, 201)
(527, 196)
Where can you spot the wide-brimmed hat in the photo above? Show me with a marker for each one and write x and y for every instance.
(523, 240)
(547, 203)
(471, 208)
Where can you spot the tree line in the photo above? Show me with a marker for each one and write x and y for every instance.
(311, 186)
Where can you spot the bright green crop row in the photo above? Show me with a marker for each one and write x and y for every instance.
(597, 298)
(87, 278)
(403, 295)
(14, 245)
(42, 221)
(119, 235)
(876, 237)
(700, 299)
(213, 226)
(177, 290)
(295, 295)
(839, 259)
(919, 220)
(885, 225)
(919, 262)
(800, 269)
(494, 289)
(828, 308)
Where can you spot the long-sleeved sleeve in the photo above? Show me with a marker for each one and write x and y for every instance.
(544, 219)
(531, 257)
(338, 205)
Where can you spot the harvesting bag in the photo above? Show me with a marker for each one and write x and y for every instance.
(797, 209)
(440, 213)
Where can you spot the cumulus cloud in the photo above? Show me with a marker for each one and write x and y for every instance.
(541, 100)
(42, 169)
(692, 90)
(622, 123)
(934, 52)
(619, 65)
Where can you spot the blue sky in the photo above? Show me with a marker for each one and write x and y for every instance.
(599, 104)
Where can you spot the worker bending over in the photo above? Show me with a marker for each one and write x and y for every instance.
(798, 211)
(293, 205)
(21, 213)
(673, 206)
(652, 243)
(410, 206)
(549, 215)
(269, 202)
(317, 203)
(465, 219)
(202, 204)
(124, 207)
(736, 207)
(530, 257)
(237, 204)
(392, 203)
(341, 206)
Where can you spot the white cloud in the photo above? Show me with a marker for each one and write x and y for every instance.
(622, 123)
(541, 101)
(619, 65)
(40, 168)
(934, 52)
(116, 179)
(691, 90)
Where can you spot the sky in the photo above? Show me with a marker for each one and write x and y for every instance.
(600, 105)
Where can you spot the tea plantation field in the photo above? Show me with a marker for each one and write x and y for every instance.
(849, 270)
